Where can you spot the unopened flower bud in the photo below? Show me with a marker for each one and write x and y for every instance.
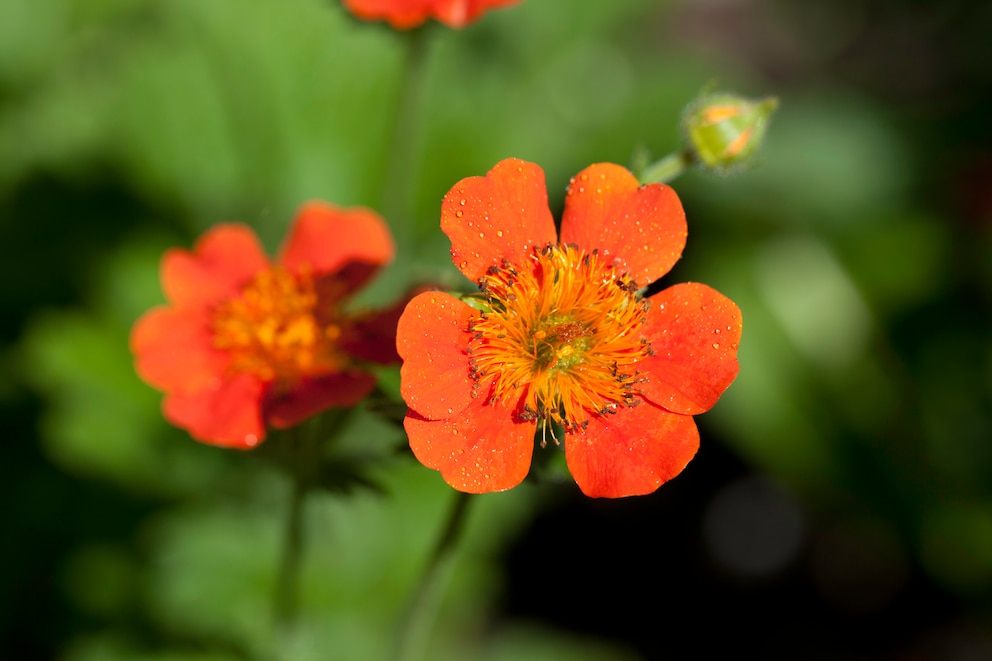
(723, 131)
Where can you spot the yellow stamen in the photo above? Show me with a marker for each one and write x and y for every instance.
(566, 328)
(272, 329)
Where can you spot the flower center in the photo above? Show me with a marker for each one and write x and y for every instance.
(566, 329)
(273, 328)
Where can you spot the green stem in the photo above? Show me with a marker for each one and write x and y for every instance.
(666, 169)
(287, 588)
(401, 174)
(413, 632)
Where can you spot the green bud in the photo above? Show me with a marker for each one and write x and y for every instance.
(723, 131)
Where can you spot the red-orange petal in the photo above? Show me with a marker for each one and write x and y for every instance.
(502, 215)
(224, 259)
(459, 13)
(643, 227)
(405, 14)
(631, 453)
(432, 337)
(694, 331)
(172, 349)
(228, 415)
(326, 239)
(482, 449)
(282, 408)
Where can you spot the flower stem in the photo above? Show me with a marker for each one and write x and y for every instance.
(401, 176)
(287, 588)
(666, 169)
(414, 628)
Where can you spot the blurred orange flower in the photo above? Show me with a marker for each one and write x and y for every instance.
(406, 14)
(560, 337)
(245, 344)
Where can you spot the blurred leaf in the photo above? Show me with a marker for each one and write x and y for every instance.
(102, 580)
(113, 647)
(213, 566)
(898, 261)
(532, 644)
(101, 420)
(30, 35)
(957, 546)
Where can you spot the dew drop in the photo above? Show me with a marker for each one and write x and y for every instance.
(499, 233)
(462, 202)
(716, 345)
(459, 214)
(251, 440)
(482, 235)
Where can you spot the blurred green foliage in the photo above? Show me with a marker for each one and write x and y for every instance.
(859, 251)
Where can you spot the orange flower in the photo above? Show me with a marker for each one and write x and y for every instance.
(560, 337)
(245, 344)
(406, 14)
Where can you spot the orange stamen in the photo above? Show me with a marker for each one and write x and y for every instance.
(271, 328)
(566, 329)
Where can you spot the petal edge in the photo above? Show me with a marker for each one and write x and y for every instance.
(502, 215)
(643, 227)
(432, 337)
(631, 453)
(694, 332)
